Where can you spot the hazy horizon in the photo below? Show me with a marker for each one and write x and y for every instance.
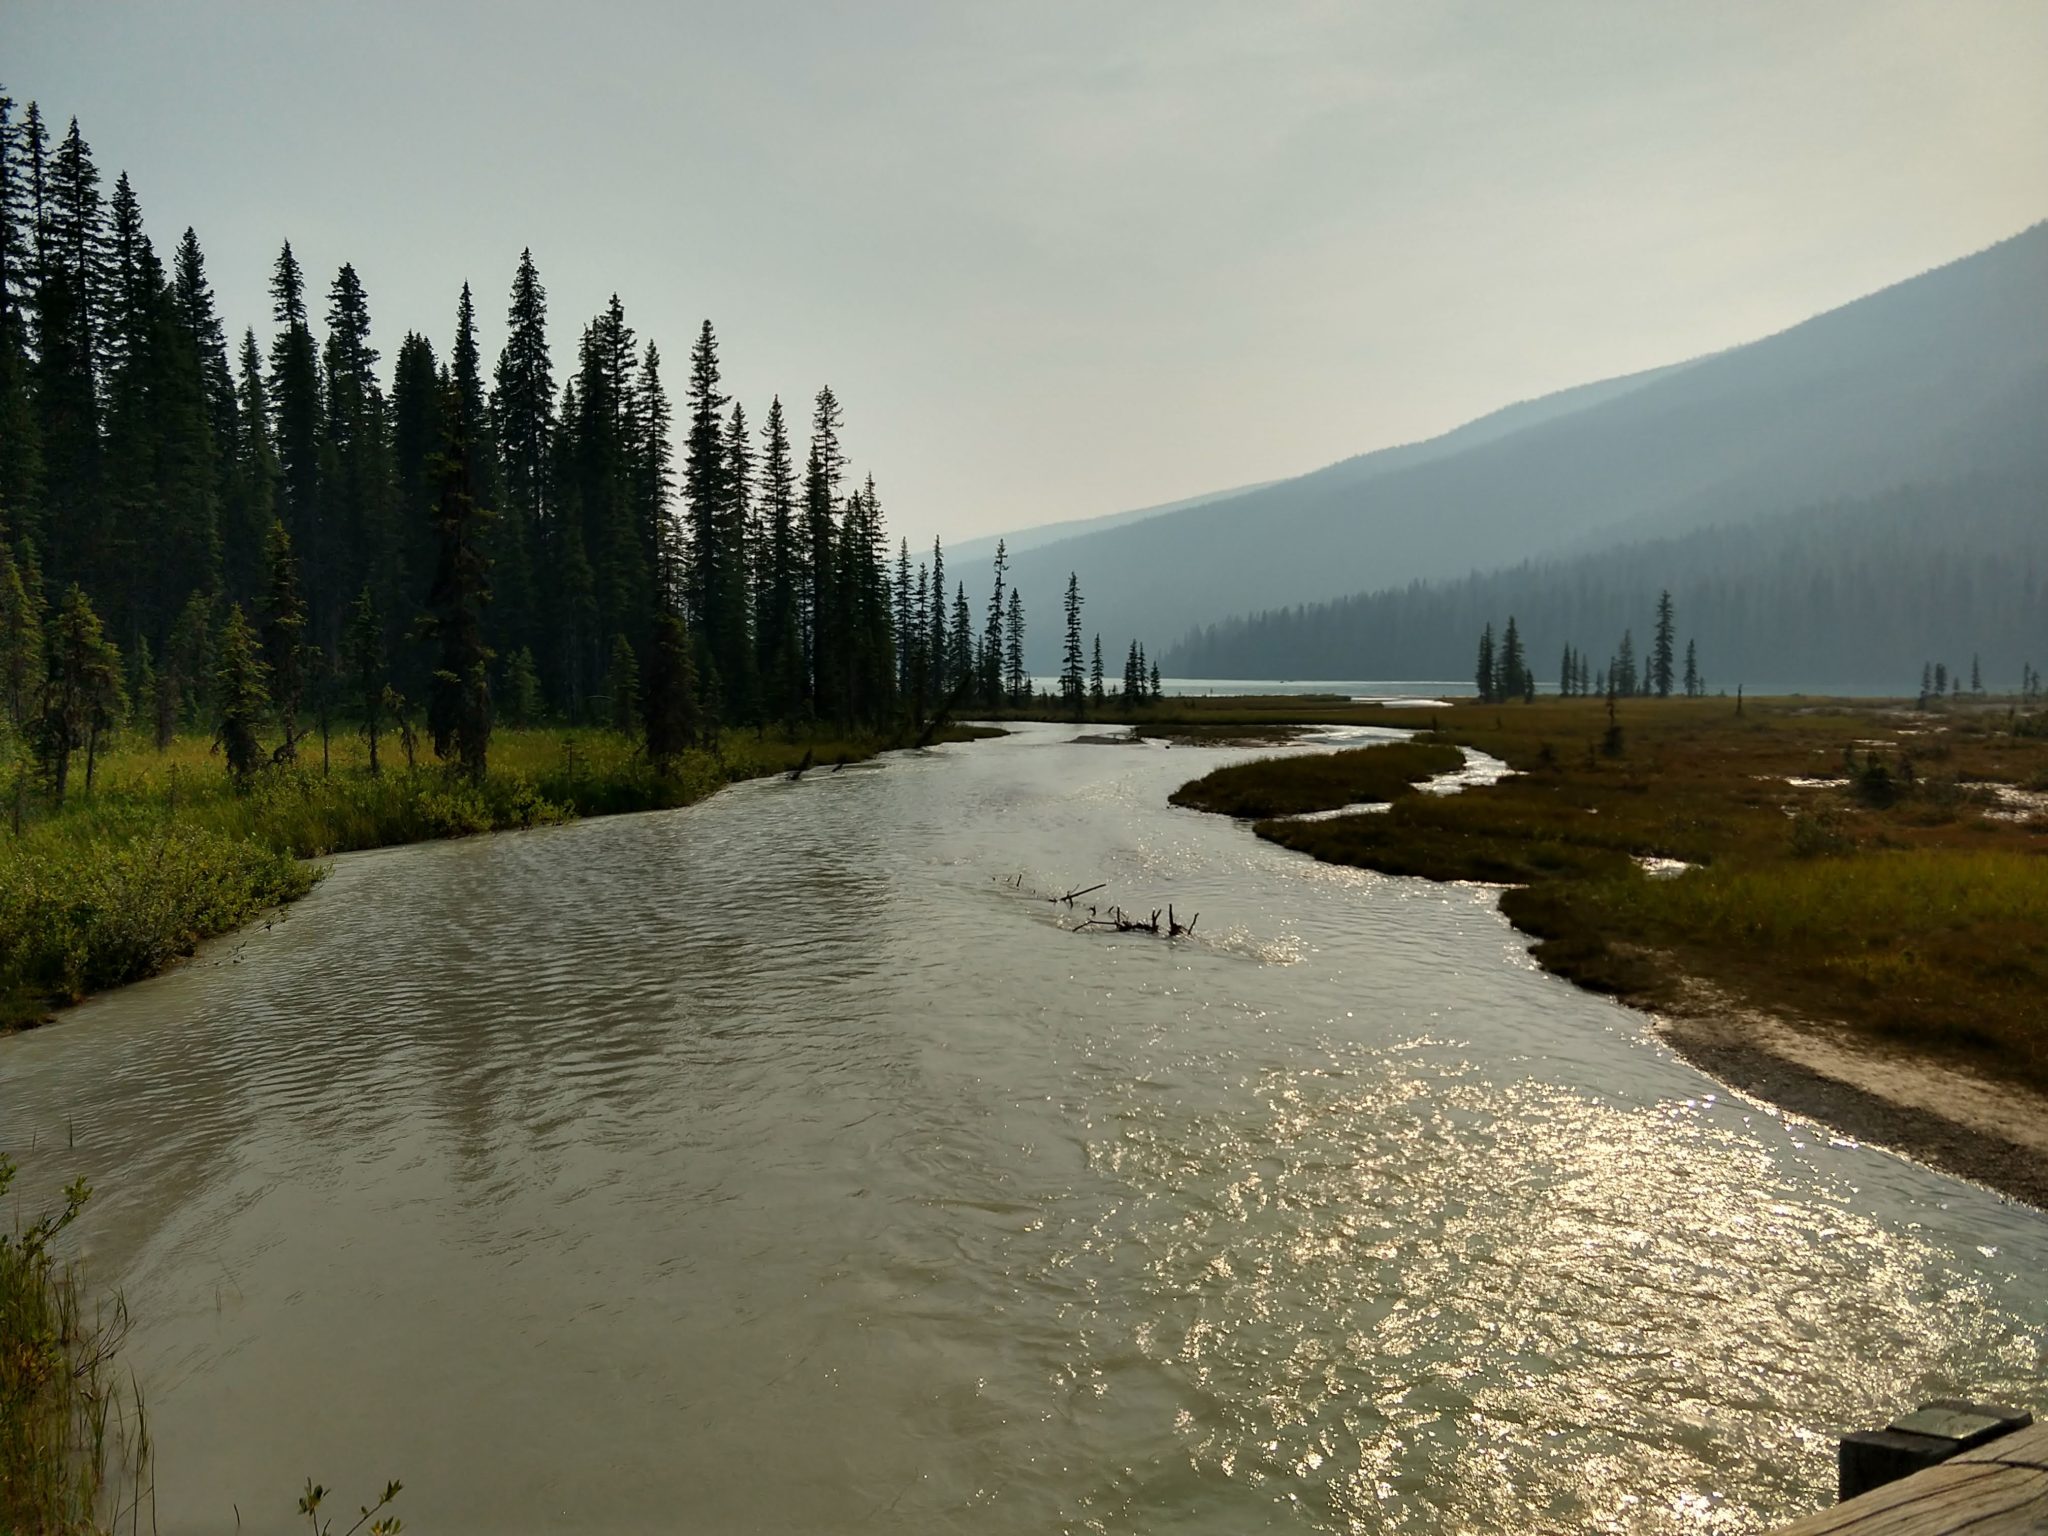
(1061, 265)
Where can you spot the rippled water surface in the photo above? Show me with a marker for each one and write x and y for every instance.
(773, 1165)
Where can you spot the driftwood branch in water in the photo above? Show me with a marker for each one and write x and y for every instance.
(798, 771)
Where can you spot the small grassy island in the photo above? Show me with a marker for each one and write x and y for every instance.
(1868, 877)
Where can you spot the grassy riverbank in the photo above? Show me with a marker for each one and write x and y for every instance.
(1870, 867)
(1325, 781)
(165, 853)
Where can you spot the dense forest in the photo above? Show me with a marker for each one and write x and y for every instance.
(1857, 594)
(239, 537)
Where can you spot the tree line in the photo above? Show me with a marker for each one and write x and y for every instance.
(1850, 594)
(254, 539)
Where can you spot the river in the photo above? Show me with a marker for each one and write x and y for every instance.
(775, 1165)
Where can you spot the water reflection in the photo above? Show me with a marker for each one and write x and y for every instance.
(772, 1165)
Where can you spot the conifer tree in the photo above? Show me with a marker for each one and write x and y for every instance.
(1095, 690)
(459, 698)
(70, 264)
(251, 506)
(1072, 682)
(960, 643)
(83, 698)
(189, 659)
(1017, 682)
(1155, 692)
(1511, 677)
(672, 717)
(1661, 654)
(992, 635)
(1621, 673)
(941, 660)
(1694, 685)
(821, 621)
(21, 644)
(735, 642)
(1134, 679)
(283, 637)
(522, 689)
(778, 617)
(240, 698)
(523, 424)
(1483, 675)
(357, 512)
(294, 388)
(367, 672)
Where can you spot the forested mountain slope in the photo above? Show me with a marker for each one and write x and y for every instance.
(1851, 594)
(1940, 376)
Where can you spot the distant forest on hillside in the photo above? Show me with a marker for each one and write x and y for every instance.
(1859, 594)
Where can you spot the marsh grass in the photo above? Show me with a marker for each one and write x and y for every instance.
(1896, 902)
(165, 852)
(74, 1443)
(1321, 781)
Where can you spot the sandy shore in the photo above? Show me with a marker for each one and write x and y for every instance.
(1994, 1134)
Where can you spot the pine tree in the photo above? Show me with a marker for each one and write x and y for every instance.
(368, 677)
(1016, 681)
(523, 427)
(189, 660)
(522, 690)
(283, 628)
(1511, 675)
(823, 640)
(1694, 684)
(778, 612)
(21, 644)
(672, 723)
(1622, 677)
(941, 660)
(71, 260)
(251, 506)
(294, 388)
(1661, 654)
(622, 686)
(357, 511)
(960, 644)
(83, 698)
(1095, 691)
(992, 635)
(1134, 679)
(459, 697)
(735, 640)
(1976, 676)
(241, 700)
(1072, 689)
(1154, 691)
(1483, 675)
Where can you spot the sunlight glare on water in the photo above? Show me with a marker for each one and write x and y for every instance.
(779, 1164)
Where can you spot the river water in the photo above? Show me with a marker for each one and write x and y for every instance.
(775, 1165)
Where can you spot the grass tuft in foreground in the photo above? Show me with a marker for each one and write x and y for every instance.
(74, 1448)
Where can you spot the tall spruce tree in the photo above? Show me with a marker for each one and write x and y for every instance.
(459, 694)
(1016, 681)
(1073, 690)
(241, 699)
(296, 410)
(778, 602)
(282, 632)
(1662, 652)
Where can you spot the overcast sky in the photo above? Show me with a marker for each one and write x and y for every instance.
(1064, 259)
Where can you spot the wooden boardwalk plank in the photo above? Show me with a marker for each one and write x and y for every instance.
(2000, 1489)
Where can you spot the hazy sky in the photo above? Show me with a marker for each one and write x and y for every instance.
(1063, 259)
